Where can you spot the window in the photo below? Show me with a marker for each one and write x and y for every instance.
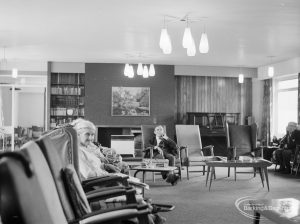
(285, 104)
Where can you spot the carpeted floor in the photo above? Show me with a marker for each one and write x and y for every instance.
(196, 205)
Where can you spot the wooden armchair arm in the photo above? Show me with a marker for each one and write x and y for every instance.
(259, 152)
(186, 151)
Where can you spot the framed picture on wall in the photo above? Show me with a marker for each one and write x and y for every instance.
(130, 101)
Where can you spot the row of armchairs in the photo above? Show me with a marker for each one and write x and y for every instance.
(39, 185)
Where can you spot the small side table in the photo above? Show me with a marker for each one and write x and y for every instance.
(152, 169)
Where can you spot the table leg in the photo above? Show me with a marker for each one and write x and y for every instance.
(228, 171)
(211, 176)
(267, 178)
(207, 174)
(261, 176)
(256, 217)
(143, 190)
(234, 173)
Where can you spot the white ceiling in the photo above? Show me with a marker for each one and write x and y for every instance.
(240, 32)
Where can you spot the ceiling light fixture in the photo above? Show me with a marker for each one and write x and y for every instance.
(188, 41)
(126, 69)
(131, 72)
(145, 72)
(141, 70)
(270, 68)
(14, 73)
(165, 40)
(241, 78)
(151, 70)
(204, 45)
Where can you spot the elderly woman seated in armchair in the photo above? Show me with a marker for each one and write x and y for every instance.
(90, 160)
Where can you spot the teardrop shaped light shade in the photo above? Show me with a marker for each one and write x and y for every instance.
(163, 38)
(204, 46)
(187, 38)
(126, 69)
(14, 73)
(131, 72)
(270, 71)
(165, 42)
(191, 50)
(140, 69)
(241, 78)
(151, 70)
(145, 72)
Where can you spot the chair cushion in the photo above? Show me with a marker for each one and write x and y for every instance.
(76, 193)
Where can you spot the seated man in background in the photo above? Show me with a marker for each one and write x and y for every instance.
(164, 148)
(286, 149)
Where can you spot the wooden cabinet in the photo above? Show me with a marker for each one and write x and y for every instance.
(212, 124)
(67, 91)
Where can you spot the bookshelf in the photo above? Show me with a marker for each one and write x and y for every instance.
(67, 91)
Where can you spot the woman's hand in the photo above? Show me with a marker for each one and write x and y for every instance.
(111, 168)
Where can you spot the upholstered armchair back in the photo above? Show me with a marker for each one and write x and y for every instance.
(243, 137)
(65, 141)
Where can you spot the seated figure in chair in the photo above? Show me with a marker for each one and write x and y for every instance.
(287, 149)
(164, 148)
(111, 161)
(91, 166)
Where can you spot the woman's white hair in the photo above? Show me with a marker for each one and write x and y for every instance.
(82, 125)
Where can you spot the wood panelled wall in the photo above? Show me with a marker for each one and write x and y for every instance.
(212, 94)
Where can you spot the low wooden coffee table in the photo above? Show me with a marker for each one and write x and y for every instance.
(286, 210)
(152, 169)
(260, 164)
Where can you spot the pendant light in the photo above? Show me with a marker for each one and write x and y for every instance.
(191, 50)
(270, 68)
(140, 69)
(130, 72)
(165, 40)
(126, 69)
(151, 70)
(204, 46)
(241, 78)
(14, 73)
(145, 72)
(187, 38)
(270, 71)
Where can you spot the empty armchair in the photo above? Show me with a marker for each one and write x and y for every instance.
(244, 139)
(188, 137)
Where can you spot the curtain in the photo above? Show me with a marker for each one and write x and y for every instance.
(266, 113)
(298, 98)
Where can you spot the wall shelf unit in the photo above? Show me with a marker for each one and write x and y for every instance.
(67, 95)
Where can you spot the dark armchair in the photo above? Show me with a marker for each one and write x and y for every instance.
(29, 194)
(244, 139)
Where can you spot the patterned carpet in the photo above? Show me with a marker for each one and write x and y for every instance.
(196, 205)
